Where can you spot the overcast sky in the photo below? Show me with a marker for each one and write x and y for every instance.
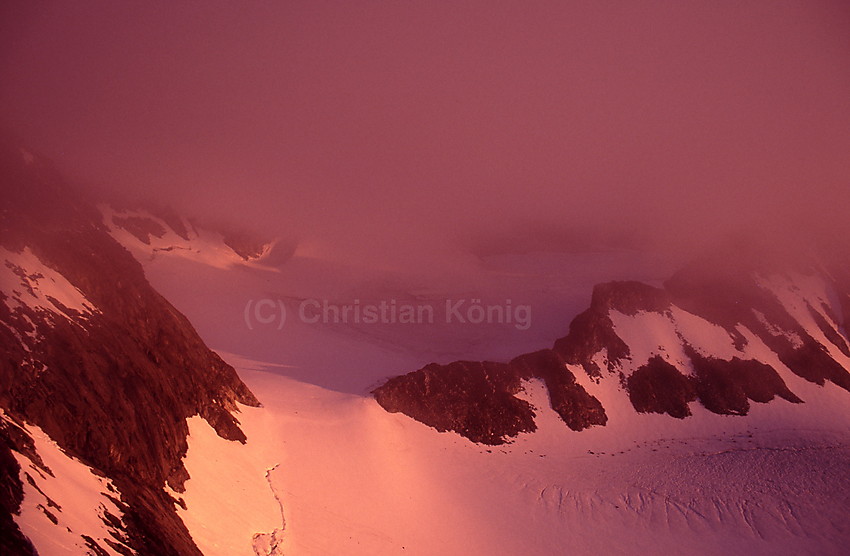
(389, 126)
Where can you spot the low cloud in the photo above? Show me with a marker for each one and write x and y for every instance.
(395, 132)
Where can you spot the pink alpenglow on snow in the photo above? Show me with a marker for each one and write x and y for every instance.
(392, 278)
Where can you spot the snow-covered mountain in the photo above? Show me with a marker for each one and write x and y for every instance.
(720, 338)
(704, 414)
(356, 479)
(147, 232)
(98, 377)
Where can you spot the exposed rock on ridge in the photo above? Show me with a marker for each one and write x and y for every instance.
(112, 386)
(707, 324)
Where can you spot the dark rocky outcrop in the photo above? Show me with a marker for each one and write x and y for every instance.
(592, 331)
(659, 387)
(114, 387)
(721, 386)
(727, 386)
(829, 329)
(12, 541)
(474, 399)
(578, 409)
(629, 298)
(732, 296)
(477, 400)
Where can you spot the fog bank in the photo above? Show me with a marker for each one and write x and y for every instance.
(392, 130)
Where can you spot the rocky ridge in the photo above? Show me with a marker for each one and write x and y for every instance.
(101, 363)
(713, 334)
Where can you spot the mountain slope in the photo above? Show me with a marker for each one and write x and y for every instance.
(148, 232)
(356, 479)
(722, 338)
(94, 360)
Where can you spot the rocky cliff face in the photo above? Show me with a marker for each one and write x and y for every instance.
(715, 335)
(478, 399)
(99, 362)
